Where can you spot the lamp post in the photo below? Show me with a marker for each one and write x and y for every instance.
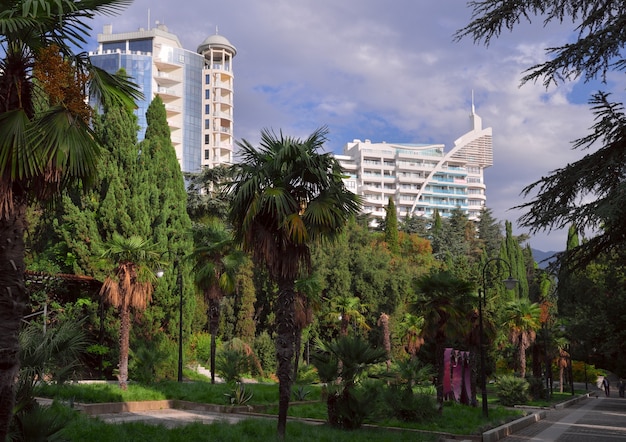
(179, 281)
(509, 283)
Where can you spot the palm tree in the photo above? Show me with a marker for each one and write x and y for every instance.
(45, 136)
(412, 327)
(129, 287)
(522, 321)
(349, 310)
(343, 364)
(216, 265)
(286, 195)
(383, 323)
(444, 306)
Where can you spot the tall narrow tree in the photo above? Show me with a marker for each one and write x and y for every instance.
(391, 227)
(286, 195)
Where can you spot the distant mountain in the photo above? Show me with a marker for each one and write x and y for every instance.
(540, 256)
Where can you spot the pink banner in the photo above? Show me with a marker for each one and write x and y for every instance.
(457, 374)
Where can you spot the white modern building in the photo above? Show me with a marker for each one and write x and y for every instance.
(195, 86)
(421, 177)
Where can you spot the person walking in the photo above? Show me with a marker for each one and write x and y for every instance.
(607, 386)
(622, 387)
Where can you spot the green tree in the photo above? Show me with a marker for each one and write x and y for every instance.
(245, 328)
(41, 151)
(308, 301)
(522, 320)
(391, 227)
(162, 189)
(349, 311)
(216, 262)
(412, 329)
(414, 224)
(589, 192)
(286, 195)
(511, 251)
(489, 232)
(569, 286)
(129, 287)
(208, 194)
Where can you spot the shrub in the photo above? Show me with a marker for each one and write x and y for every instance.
(239, 395)
(349, 407)
(231, 364)
(579, 368)
(307, 374)
(512, 390)
(154, 361)
(265, 350)
(537, 388)
(201, 347)
(344, 364)
(407, 406)
(300, 393)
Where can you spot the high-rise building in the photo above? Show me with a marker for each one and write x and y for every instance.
(196, 88)
(421, 177)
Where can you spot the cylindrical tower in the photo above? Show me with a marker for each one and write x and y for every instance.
(217, 87)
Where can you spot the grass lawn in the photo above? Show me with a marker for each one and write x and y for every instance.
(555, 398)
(84, 428)
(456, 419)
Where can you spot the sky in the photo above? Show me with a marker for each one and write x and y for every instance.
(389, 71)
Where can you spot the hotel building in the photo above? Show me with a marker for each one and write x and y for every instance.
(421, 177)
(196, 88)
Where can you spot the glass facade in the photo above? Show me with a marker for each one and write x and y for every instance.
(156, 62)
(139, 68)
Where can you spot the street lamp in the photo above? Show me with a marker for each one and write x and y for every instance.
(179, 280)
(509, 283)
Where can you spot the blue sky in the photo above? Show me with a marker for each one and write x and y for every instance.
(389, 71)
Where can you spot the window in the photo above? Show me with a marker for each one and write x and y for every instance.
(207, 79)
(207, 155)
(207, 109)
(207, 139)
(207, 124)
(207, 94)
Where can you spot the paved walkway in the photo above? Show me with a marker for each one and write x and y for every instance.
(172, 417)
(597, 419)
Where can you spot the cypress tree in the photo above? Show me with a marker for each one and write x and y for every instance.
(163, 190)
(569, 280)
(391, 227)
(512, 252)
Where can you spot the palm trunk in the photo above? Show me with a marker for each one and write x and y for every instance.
(13, 301)
(214, 321)
(285, 339)
(475, 365)
(298, 350)
(524, 343)
(124, 345)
